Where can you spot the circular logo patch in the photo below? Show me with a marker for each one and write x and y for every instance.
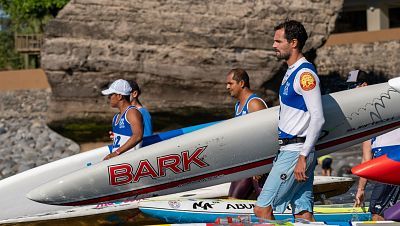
(307, 81)
(283, 176)
(174, 204)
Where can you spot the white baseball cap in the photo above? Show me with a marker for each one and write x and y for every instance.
(119, 86)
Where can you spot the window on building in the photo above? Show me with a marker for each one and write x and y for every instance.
(394, 17)
(351, 21)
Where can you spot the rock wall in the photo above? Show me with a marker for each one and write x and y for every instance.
(25, 139)
(179, 51)
(377, 57)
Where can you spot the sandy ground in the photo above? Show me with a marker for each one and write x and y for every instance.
(92, 145)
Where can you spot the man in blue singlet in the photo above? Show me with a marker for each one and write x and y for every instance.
(300, 122)
(135, 93)
(238, 85)
(383, 195)
(127, 125)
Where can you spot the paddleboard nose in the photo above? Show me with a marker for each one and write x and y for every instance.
(48, 194)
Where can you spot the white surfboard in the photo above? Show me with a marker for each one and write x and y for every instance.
(103, 210)
(237, 148)
(209, 210)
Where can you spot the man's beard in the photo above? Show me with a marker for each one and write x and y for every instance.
(282, 56)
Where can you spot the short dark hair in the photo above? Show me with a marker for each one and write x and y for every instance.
(362, 76)
(240, 74)
(127, 97)
(294, 30)
(134, 86)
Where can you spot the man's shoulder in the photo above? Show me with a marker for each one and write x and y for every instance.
(133, 111)
(256, 102)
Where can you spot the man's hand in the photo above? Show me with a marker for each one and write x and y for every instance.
(300, 169)
(111, 135)
(359, 202)
(111, 155)
(257, 178)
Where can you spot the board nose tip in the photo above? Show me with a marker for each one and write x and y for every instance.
(40, 195)
(35, 195)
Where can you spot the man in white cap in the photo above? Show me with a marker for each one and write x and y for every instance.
(127, 125)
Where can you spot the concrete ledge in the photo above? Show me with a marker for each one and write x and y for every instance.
(363, 37)
(23, 80)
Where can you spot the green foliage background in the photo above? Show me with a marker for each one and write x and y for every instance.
(31, 15)
(24, 17)
(9, 59)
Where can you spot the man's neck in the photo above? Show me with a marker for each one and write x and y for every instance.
(123, 106)
(136, 103)
(294, 57)
(244, 96)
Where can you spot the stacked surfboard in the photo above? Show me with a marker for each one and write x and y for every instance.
(215, 154)
(121, 211)
(209, 210)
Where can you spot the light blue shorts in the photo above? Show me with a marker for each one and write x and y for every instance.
(281, 188)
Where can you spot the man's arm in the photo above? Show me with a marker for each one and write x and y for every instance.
(135, 119)
(312, 97)
(366, 156)
(313, 101)
(256, 105)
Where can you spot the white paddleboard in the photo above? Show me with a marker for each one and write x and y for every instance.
(209, 210)
(237, 148)
(13, 201)
(222, 190)
(109, 207)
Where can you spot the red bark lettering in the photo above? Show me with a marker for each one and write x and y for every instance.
(120, 174)
(187, 159)
(169, 162)
(145, 169)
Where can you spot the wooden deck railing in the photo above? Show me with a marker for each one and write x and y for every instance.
(28, 43)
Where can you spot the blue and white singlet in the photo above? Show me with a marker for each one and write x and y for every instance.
(122, 130)
(245, 108)
(386, 142)
(301, 113)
